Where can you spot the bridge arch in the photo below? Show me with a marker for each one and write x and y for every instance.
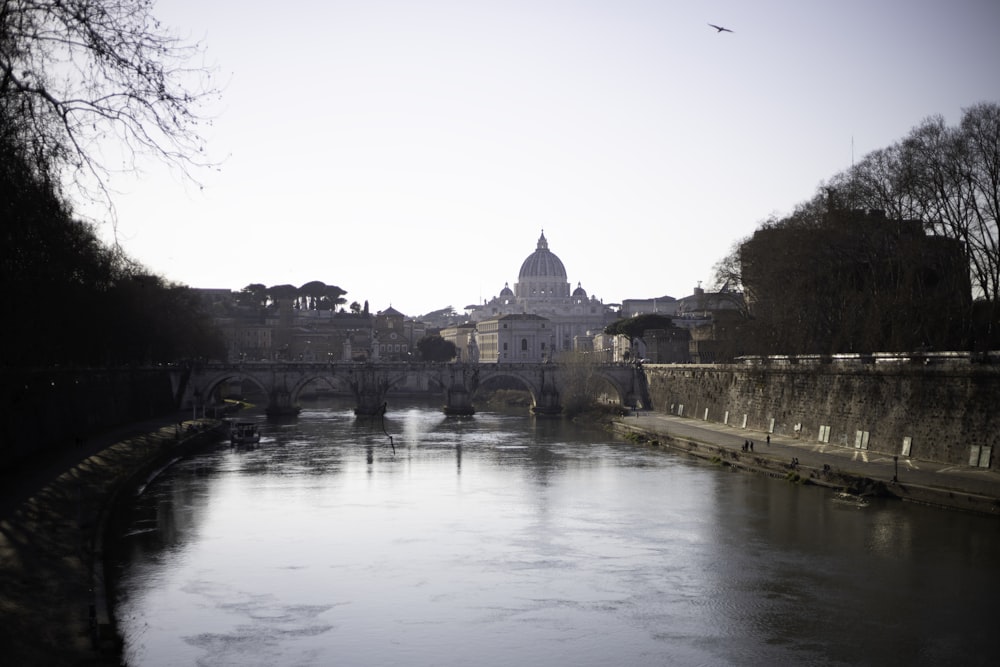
(212, 384)
(334, 382)
(626, 393)
(485, 379)
(284, 382)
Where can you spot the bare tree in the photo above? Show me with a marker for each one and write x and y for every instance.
(727, 272)
(877, 181)
(581, 384)
(79, 76)
(946, 177)
(980, 132)
(945, 180)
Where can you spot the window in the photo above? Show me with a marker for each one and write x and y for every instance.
(505, 348)
(524, 345)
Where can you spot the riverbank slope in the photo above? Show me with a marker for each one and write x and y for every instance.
(53, 609)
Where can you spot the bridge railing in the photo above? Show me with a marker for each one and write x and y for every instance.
(416, 365)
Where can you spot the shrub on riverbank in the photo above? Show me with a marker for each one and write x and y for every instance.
(597, 413)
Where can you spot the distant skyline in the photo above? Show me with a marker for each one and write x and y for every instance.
(411, 152)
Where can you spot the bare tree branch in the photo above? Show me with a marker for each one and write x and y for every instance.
(83, 75)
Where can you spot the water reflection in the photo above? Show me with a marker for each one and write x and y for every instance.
(508, 540)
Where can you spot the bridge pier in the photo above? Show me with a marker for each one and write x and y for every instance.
(458, 401)
(369, 389)
(369, 404)
(638, 394)
(547, 403)
(458, 396)
(279, 404)
(281, 382)
(547, 400)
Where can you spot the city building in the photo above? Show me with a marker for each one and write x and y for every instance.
(538, 319)
(702, 325)
(542, 289)
(463, 337)
(664, 305)
(390, 340)
(517, 337)
(855, 281)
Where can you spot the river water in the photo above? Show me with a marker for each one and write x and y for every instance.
(507, 540)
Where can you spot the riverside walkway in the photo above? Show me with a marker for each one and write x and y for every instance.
(946, 485)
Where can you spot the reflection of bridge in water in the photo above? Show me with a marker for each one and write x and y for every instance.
(370, 383)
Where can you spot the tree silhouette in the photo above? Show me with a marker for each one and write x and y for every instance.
(436, 348)
(635, 327)
(76, 73)
(76, 301)
(945, 178)
(253, 295)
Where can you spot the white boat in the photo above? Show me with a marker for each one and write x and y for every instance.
(244, 433)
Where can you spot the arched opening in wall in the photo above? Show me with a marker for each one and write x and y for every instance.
(502, 393)
(234, 390)
(583, 390)
(322, 392)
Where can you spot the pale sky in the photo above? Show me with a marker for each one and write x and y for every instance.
(412, 151)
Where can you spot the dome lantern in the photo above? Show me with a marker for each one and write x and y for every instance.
(542, 274)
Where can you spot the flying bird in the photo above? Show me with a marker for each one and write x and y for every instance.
(719, 28)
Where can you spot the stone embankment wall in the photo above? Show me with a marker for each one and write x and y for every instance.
(938, 409)
(45, 409)
(55, 602)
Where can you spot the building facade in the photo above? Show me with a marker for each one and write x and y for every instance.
(855, 281)
(463, 337)
(542, 289)
(390, 339)
(518, 337)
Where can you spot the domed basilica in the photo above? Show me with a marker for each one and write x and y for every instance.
(542, 290)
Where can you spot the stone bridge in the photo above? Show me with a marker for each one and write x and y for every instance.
(370, 383)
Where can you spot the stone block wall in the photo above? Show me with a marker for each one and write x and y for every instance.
(947, 411)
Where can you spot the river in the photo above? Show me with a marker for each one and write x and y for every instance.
(503, 539)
